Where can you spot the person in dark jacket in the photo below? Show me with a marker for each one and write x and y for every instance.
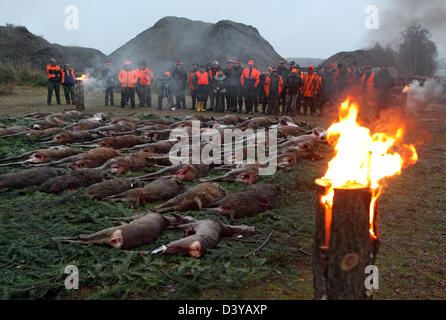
(283, 72)
(383, 83)
(228, 85)
(292, 66)
(236, 87)
(343, 80)
(328, 89)
(179, 77)
(68, 81)
(209, 71)
(293, 83)
(212, 73)
(108, 77)
(219, 90)
(166, 91)
(261, 95)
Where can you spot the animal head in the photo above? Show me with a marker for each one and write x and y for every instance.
(248, 176)
(62, 138)
(135, 183)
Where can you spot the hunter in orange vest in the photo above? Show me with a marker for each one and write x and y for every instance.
(201, 81)
(128, 78)
(193, 90)
(53, 73)
(310, 89)
(145, 77)
(249, 81)
(273, 90)
(368, 81)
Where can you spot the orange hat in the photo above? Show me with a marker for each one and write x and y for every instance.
(251, 62)
(108, 62)
(269, 68)
(334, 64)
(177, 63)
(167, 73)
(294, 70)
(127, 62)
(236, 61)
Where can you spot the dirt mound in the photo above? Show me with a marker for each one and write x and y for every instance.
(376, 57)
(173, 38)
(19, 46)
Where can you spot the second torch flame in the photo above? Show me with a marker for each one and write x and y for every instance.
(361, 159)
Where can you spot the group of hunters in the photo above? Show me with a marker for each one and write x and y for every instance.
(284, 89)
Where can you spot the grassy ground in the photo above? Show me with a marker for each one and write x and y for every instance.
(411, 261)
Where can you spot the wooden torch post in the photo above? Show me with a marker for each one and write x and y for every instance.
(341, 256)
(80, 99)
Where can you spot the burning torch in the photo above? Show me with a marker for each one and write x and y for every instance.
(347, 238)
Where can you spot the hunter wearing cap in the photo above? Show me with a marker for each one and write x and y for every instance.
(128, 78)
(193, 90)
(249, 81)
(68, 81)
(53, 72)
(179, 78)
(109, 78)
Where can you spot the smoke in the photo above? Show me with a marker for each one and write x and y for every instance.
(429, 95)
(397, 15)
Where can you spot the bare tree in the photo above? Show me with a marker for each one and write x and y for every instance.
(417, 51)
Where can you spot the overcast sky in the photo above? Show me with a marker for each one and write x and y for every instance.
(295, 28)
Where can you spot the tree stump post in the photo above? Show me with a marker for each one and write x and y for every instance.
(338, 266)
(80, 99)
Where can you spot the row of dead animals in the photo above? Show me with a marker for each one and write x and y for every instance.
(99, 125)
(205, 195)
(201, 235)
(147, 227)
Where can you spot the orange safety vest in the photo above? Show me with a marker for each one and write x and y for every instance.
(128, 78)
(268, 82)
(190, 80)
(255, 74)
(63, 75)
(52, 75)
(145, 77)
(202, 78)
(311, 85)
(370, 83)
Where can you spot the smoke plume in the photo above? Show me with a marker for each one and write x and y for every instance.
(397, 15)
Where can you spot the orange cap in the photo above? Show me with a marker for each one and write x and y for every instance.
(127, 62)
(167, 73)
(251, 62)
(294, 70)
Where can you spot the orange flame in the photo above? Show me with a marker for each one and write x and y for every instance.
(362, 159)
(82, 77)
